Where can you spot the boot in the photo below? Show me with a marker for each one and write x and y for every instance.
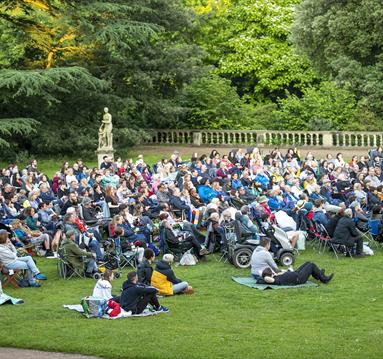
(327, 279)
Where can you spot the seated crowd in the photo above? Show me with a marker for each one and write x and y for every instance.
(188, 205)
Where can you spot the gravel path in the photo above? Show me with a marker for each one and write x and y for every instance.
(8, 353)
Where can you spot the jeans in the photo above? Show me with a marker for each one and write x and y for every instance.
(180, 287)
(93, 245)
(25, 263)
(90, 265)
(40, 239)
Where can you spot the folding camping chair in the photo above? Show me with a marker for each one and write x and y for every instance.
(64, 268)
(9, 277)
(228, 243)
(325, 241)
(373, 234)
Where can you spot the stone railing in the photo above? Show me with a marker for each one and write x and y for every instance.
(260, 138)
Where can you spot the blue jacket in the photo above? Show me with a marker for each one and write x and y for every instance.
(206, 193)
(263, 180)
(274, 204)
(320, 217)
(290, 200)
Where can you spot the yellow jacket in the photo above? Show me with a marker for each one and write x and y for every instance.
(161, 282)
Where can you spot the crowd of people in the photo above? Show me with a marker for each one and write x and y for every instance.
(188, 203)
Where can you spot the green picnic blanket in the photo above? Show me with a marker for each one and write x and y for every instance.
(252, 283)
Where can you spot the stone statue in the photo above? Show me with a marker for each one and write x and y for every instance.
(105, 136)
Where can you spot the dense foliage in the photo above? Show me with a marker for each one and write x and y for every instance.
(190, 63)
(343, 39)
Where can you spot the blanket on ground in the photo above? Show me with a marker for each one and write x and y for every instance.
(146, 313)
(6, 299)
(252, 283)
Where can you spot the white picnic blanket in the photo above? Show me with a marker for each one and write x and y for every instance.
(146, 313)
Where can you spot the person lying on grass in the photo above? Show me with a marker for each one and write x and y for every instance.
(136, 296)
(164, 279)
(299, 276)
(10, 260)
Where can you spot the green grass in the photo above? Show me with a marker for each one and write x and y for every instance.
(221, 320)
(50, 166)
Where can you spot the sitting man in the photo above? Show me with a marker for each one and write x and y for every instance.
(135, 296)
(164, 279)
(347, 234)
(144, 269)
(10, 260)
(72, 222)
(247, 226)
(262, 258)
(186, 239)
(75, 255)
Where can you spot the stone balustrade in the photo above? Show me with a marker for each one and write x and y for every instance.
(261, 138)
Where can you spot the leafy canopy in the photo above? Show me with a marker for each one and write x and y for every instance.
(343, 39)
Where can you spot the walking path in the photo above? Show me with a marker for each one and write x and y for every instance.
(7, 353)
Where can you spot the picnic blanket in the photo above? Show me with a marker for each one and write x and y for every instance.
(6, 299)
(252, 283)
(146, 313)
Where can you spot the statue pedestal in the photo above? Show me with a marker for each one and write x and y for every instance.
(102, 152)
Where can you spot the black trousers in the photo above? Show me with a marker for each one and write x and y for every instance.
(306, 270)
(144, 301)
(359, 244)
(193, 243)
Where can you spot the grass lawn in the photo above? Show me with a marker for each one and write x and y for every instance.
(221, 320)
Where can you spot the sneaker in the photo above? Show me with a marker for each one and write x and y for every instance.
(162, 309)
(35, 285)
(40, 277)
(49, 254)
(203, 251)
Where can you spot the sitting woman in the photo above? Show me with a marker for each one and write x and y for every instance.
(28, 236)
(164, 279)
(299, 276)
(10, 260)
(103, 290)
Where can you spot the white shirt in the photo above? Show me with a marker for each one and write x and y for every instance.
(102, 289)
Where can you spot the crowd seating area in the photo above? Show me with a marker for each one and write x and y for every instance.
(93, 219)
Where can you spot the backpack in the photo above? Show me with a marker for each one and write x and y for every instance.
(94, 307)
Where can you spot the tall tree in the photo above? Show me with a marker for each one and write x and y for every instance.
(343, 39)
(62, 61)
(248, 42)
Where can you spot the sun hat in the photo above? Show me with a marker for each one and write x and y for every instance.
(300, 204)
(168, 258)
(262, 199)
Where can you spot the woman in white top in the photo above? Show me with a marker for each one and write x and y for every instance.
(70, 177)
(103, 290)
(103, 287)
